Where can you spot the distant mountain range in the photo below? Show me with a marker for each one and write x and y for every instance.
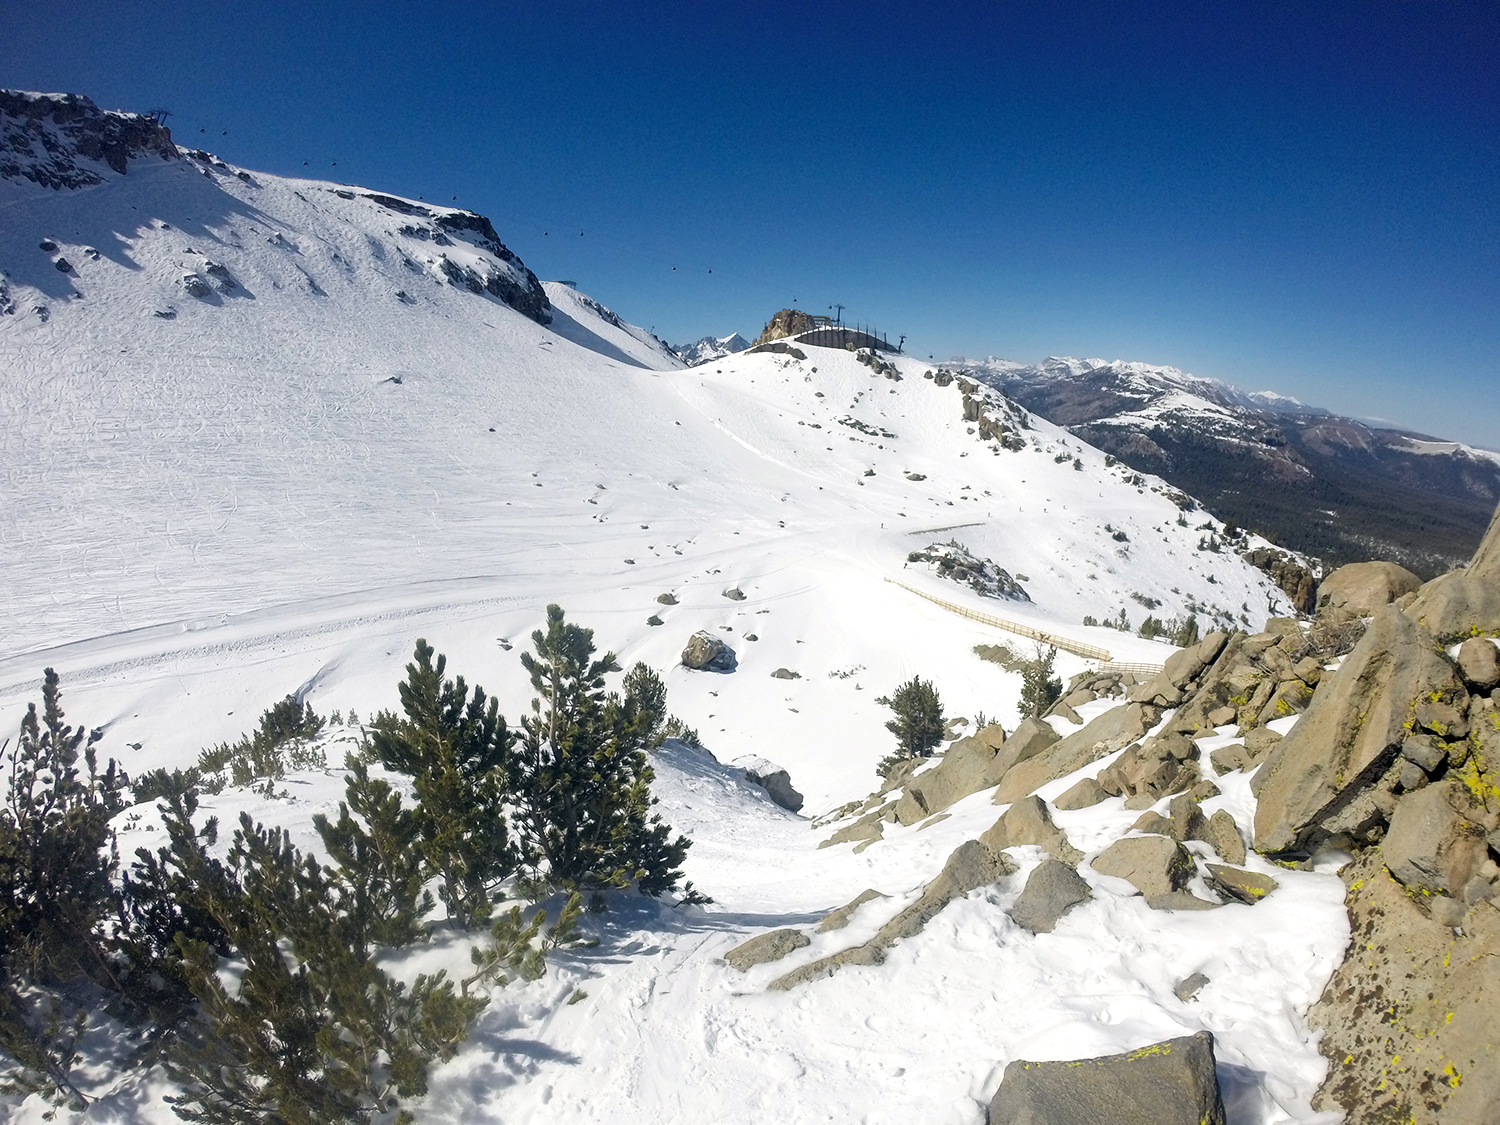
(1307, 478)
(711, 347)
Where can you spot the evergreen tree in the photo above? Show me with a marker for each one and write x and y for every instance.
(583, 784)
(57, 862)
(918, 725)
(380, 868)
(1188, 634)
(1039, 688)
(456, 749)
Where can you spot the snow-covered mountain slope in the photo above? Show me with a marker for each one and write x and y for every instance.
(210, 501)
(1320, 483)
(711, 347)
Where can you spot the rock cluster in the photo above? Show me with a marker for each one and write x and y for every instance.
(787, 322)
(42, 136)
(954, 561)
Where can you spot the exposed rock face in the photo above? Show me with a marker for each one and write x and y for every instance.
(787, 322)
(1362, 588)
(707, 653)
(771, 946)
(773, 779)
(1052, 890)
(838, 919)
(1295, 580)
(1351, 736)
(1170, 1083)
(1411, 1019)
(43, 137)
(1436, 842)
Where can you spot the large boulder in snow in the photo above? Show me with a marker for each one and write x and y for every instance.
(1360, 589)
(1169, 1083)
(1351, 735)
(773, 779)
(1156, 865)
(766, 947)
(706, 652)
(970, 765)
(1051, 891)
(1029, 821)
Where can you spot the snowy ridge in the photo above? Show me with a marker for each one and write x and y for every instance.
(341, 444)
(711, 348)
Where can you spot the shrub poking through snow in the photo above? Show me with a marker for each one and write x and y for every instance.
(918, 725)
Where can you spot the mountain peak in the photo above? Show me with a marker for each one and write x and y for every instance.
(66, 141)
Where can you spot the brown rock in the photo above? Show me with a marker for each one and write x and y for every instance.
(1108, 732)
(1479, 663)
(762, 948)
(1029, 821)
(1351, 732)
(1431, 847)
(1359, 589)
(1154, 864)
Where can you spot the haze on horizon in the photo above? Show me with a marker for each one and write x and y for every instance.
(1286, 198)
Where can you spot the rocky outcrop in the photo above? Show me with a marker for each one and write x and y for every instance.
(773, 779)
(973, 864)
(970, 765)
(1296, 581)
(1360, 589)
(1174, 1082)
(839, 918)
(1111, 731)
(787, 322)
(706, 653)
(1332, 774)
(52, 139)
(954, 561)
(1410, 1021)
(762, 948)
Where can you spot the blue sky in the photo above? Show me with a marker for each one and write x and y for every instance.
(1290, 196)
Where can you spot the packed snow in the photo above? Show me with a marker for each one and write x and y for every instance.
(210, 502)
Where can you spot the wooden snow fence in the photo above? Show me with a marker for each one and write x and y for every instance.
(1065, 644)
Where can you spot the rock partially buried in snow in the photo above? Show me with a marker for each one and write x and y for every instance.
(773, 779)
(1241, 885)
(1154, 864)
(1108, 732)
(762, 948)
(705, 652)
(735, 594)
(1051, 891)
(838, 919)
(1169, 1083)
(1189, 987)
(1029, 821)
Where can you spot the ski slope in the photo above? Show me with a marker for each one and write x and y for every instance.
(209, 502)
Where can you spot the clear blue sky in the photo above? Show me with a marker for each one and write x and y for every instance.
(1295, 196)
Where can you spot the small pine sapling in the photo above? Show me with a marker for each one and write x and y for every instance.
(918, 725)
(1040, 689)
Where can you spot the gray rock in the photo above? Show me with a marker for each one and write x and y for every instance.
(1051, 891)
(1479, 663)
(866, 830)
(1432, 848)
(1029, 821)
(1189, 987)
(654, 620)
(1168, 1083)
(706, 652)
(735, 594)
(766, 947)
(1180, 900)
(195, 286)
(1224, 837)
(1028, 740)
(1108, 732)
(1425, 751)
(1454, 605)
(972, 864)
(1241, 885)
(1063, 711)
(1156, 865)
(1227, 759)
(785, 674)
(667, 599)
(1360, 589)
(773, 779)
(1351, 733)
(970, 765)
(839, 918)
(1082, 795)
